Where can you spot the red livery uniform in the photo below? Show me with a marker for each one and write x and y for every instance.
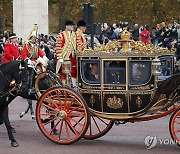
(11, 52)
(66, 49)
(81, 41)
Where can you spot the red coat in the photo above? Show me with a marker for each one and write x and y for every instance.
(145, 35)
(11, 52)
(25, 53)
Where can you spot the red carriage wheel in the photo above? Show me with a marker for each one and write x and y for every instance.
(174, 126)
(65, 111)
(98, 127)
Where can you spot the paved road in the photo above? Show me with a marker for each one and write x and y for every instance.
(128, 138)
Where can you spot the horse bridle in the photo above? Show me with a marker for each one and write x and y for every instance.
(16, 86)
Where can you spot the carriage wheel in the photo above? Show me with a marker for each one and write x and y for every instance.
(98, 127)
(65, 111)
(174, 126)
(45, 81)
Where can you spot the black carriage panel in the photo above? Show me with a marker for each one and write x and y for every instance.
(115, 102)
(93, 99)
(139, 100)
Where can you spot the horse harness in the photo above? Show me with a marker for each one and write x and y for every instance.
(16, 87)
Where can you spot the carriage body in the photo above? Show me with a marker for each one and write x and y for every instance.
(125, 85)
(113, 86)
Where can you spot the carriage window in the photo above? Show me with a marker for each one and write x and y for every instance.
(166, 68)
(140, 72)
(91, 71)
(115, 72)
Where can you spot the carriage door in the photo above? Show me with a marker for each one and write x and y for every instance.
(114, 86)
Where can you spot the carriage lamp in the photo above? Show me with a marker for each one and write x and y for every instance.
(66, 66)
(156, 70)
(66, 69)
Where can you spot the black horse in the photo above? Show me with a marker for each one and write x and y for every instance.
(15, 70)
(18, 71)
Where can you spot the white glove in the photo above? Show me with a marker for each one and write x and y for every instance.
(61, 60)
(42, 61)
(45, 58)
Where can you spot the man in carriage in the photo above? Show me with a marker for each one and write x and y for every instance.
(33, 55)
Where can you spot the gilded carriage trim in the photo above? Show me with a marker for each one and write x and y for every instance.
(84, 86)
(114, 87)
(92, 100)
(117, 116)
(158, 105)
(141, 92)
(113, 93)
(114, 102)
(138, 101)
(147, 87)
(91, 92)
(139, 49)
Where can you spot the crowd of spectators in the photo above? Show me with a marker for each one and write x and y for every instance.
(162, 34)
(45, 42)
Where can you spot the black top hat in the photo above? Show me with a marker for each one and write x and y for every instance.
(13, 35)
(69, 22)
(81, 23)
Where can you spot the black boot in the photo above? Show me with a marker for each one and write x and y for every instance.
(31, 79)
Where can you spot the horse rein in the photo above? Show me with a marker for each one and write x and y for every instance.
(15, 87)
(4, 76)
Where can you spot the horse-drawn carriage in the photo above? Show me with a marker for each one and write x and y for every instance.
(114, 85)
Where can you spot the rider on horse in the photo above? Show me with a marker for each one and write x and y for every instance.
(11, 51)
(33, 55)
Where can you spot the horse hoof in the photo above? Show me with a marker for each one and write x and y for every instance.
(33, 116)
(21, 114)
(14, 144)
(55, 132)
(13, 130)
